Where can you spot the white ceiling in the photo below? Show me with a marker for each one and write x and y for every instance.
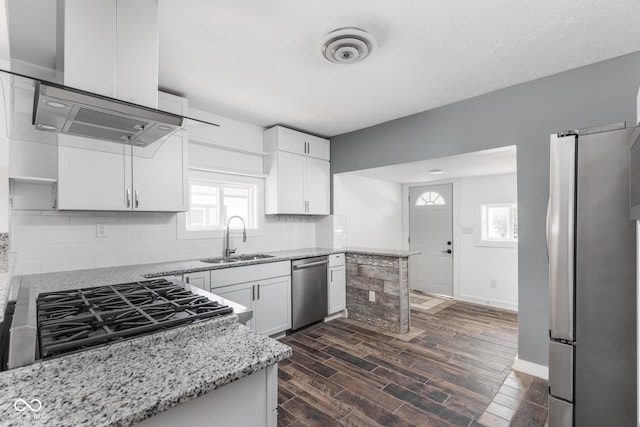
(260, 61)
(496, 161)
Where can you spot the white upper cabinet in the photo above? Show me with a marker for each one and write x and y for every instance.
(92, 180)
(298, 173)
(96, 175)
(282, 139)
(317, 181)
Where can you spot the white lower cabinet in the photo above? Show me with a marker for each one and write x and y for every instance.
(337, 283)
(265, 288)
(199, 279)
(269, 299)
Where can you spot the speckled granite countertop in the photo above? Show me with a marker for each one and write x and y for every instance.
(379, 252)
(137, 378)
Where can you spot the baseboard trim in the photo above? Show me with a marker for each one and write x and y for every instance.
(530, 368)
(486, 303)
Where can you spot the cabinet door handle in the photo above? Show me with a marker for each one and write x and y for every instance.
(128, 198)
(258, 292)
(137, 201)
(187, 280)
(331, 275)
(253, 292)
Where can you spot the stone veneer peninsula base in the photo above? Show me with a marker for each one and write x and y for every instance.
(387, 277)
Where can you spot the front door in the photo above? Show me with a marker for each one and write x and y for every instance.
(430, 233)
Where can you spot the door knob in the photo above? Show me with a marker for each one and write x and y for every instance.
(449, 243)
(448, 251)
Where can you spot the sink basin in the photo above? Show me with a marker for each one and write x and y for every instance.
(224, 260)
(219, 260)
(252, 257)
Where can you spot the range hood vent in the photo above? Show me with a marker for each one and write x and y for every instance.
(63, 110)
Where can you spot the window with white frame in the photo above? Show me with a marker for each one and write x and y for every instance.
(216, 197)
(500, 222)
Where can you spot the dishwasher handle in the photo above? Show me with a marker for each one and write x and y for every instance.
(311, 264)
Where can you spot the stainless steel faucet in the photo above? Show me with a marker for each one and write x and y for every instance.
(228, 251)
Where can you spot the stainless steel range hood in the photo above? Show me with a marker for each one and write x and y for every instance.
(63, 110)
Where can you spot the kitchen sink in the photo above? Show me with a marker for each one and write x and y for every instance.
(219, 260)
(237, 258)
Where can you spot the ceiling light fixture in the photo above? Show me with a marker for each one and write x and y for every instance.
(436, 171)
(46, 127)
(55, 104)
(347, 45)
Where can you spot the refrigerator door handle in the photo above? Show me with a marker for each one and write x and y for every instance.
(547, 227)
(561, 236)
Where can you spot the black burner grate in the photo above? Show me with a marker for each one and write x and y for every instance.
(70, 321)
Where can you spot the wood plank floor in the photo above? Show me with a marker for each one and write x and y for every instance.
(455, 370)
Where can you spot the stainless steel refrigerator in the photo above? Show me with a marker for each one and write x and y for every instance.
(591, 242)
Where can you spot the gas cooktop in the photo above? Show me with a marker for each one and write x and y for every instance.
(74, 320)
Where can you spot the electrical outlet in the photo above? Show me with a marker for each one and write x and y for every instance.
(101, 229)
(372, 296)
(493, 284)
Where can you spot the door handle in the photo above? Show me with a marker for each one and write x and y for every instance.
(253, 292)
(448, 251)
(128, 198)
(258, 292)
(137, 201)
(311, 264)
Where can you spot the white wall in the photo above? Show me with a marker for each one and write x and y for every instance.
(373, 209)
(479, 265)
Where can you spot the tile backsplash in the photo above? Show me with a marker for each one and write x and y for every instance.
(54, 241)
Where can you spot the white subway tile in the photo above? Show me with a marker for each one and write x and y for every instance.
(91, 220)
(97, 248)
(158, 234)
(83, 234)
(26, 236)
(158, 255)
(111, 260)
(16, 213)
(41, 251)
(27, 266)
(41, 222)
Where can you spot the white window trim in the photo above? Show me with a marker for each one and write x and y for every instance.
(200, 175)
(479, 241)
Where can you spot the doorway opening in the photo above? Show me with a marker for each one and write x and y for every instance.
(383, 208)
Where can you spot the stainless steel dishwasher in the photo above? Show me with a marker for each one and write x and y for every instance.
(308, 291)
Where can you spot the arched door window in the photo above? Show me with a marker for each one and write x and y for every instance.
(430, 198)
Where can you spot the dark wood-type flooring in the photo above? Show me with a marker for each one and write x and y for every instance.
(455, 371)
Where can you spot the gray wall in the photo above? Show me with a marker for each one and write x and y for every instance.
(524, 115)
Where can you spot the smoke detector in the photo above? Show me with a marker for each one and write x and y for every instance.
(347, 45)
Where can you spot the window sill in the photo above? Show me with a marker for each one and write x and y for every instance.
(496, 244)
